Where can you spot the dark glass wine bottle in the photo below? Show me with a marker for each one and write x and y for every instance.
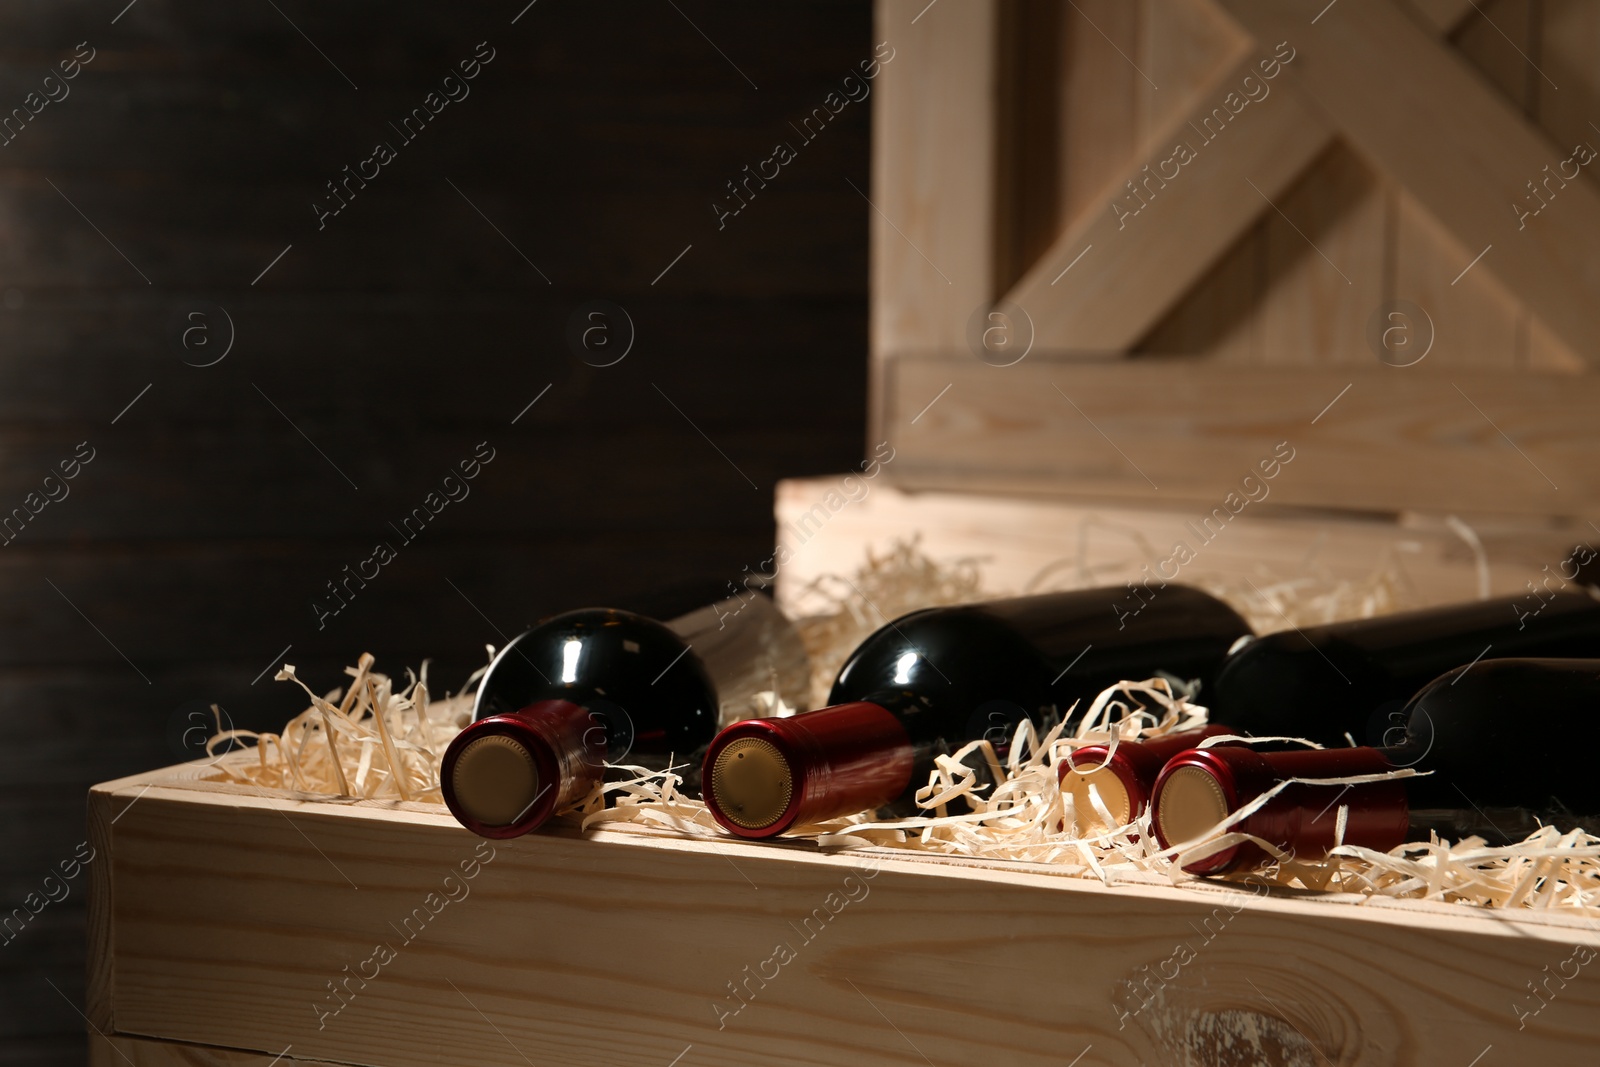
(1352, 678)
(600, 685)
(1495, 772)
(931, 681)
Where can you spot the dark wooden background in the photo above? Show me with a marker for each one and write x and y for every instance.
(189, 552)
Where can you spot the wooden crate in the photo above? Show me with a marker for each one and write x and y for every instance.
(826, 527)
(222, 916)
(1014, 143)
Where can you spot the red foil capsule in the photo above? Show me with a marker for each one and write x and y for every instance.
(1125, 778)
(505, 775)
(1201, 787)
(763, 776)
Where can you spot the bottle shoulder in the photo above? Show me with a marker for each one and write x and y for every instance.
(1055, 649)
(935, 650)
(633, 671)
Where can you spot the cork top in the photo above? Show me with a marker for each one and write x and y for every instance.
(752, 783)
(1113, 794)
(494, 780)
(1192, 802)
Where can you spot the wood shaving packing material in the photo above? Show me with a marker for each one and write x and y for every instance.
(373, 740)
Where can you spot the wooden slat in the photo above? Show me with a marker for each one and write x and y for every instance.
(1381, 78)
(1500, 41)
(1216, 320)
(1123, 295)
(1568, 33)
(558, 950)
(1182, 43)
(1442, 12)
(933, 172)
(1569, 53)
(1138, 267)
(1475, 321)
(119, 1051)
(1084, 543)
(1032, 111)
(1101, 123)
(1324, 264)
(1547, 352)
(1394, 442)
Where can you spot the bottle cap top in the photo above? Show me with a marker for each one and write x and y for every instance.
(495, 780)
(1192, 802)
(507, 774)
(752, 783)
(1124, 776)
(1106, 777)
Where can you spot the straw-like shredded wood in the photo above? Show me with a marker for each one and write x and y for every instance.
(377, 741)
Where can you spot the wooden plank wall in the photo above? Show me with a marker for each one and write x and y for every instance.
(1383, 168)
(1271, 299)
(396, 339)
(1103, 77)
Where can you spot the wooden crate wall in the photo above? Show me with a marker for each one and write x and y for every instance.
(1271, 300)
(1384, 161)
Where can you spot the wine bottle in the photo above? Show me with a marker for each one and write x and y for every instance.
(1122, 778)
(1352, 678)
(929, 682)
(601, 685)
(1493, 772)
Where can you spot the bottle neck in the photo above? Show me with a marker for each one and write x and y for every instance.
(765, 776)
(505, 775)
(1355, 677)
(1415, 647)
(1326, 803)
(1323, 807)
(938, 722)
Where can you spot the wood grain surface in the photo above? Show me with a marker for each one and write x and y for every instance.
(143, 1052)
(1024, 543)
(1157, 430)
(626, 949)
(1383, 81)
(933, 172)
(1139, 266)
